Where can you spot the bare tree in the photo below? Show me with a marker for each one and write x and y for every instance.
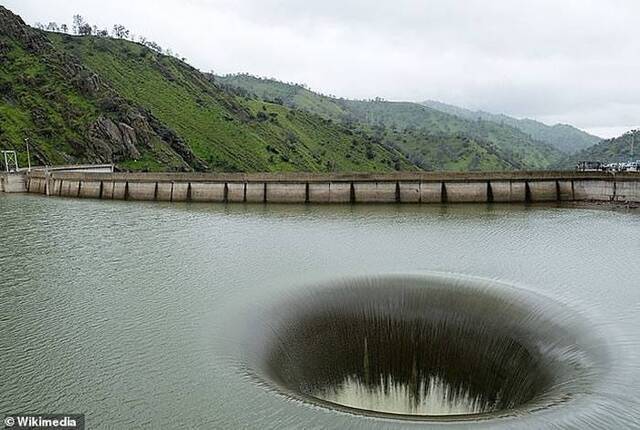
(64, 28)
(78, 21)
(120, 31)
(153, 45)
(52, 26)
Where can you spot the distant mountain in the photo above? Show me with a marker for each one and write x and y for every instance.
(564, 137)
(432, 139)
(623, 148)
(101, 99)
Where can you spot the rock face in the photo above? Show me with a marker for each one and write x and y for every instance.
(109, 141)
(14, 27)
(121, 130)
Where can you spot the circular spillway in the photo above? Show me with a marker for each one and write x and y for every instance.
(428, 347)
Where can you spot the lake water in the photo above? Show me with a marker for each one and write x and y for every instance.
(140, 315)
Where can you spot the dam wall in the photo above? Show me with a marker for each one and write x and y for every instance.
(416, 188)
(13, 183)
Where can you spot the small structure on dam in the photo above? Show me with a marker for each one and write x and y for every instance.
(15, 179)
(414, 187)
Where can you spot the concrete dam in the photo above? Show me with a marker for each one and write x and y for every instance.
(419, 187)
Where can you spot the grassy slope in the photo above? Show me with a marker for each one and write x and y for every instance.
(610, 151)
(228, 132)
(36, 102)
(563, 137)
(433, 139)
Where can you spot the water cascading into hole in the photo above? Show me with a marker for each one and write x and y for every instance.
(417, 366)
(404, 346)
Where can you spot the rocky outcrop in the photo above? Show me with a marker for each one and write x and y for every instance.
(13, 26)
(112, 142)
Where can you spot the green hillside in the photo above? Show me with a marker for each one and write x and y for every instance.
(563, 137)
(90, 99)
(621, 149)
(432, 139)
(99, 99)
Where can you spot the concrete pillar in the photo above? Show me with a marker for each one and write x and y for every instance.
(145, 191)
(163, 193)
(180, 192)
(409, 192)
(14, 183)
(565, 189)
(431, 192)
(320, 192)
(53, 189)
(35, 185)
(628, 191)
(466, 192)
(255, 192)
(47, 183)
(543, 191)
(107, 190)
(593, 190)
(375, 192)
(330, 192)
(70, 188)
(340, 192)
(286, 193)
(235, 192)
(90, 190)
(207, 192)
(508, 191)
(119, 190)
(113, 190)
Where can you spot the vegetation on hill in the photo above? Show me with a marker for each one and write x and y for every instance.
(102, 99)
(563, 137)
(432, 139)
(620, 149)
(67, 111)
(97, 96)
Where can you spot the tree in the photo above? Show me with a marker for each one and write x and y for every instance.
(85, 30)
(64, 28)
(52, 26)
(78, 21)
(120, 31)
(39, 26)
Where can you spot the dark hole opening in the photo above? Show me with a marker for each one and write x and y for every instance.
(419, 354)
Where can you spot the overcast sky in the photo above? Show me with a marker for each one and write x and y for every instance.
(569, 61)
